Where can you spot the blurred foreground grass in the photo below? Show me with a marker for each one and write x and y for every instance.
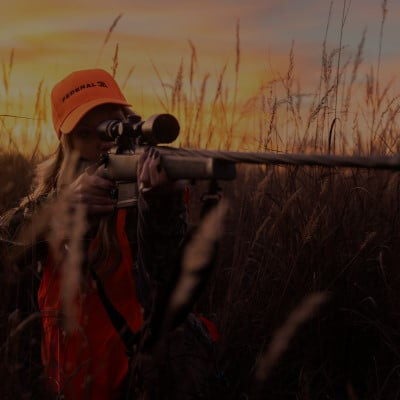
(290, 232)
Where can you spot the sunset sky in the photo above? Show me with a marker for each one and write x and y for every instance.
(52, 38)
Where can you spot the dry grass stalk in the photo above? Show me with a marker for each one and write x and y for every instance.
(324, 56)
(262, 187)
(217, 96)
(24, 323)
(271, 124)
(11, 61)
(312, 224)
(321, 106)
(282, 337)
(197, 126)
(345, 13)
(108, 35)
(370, 236)
(7, 71)
(63, 227)
(356, 66)
(177, 90)
(378, 68)
(197, 255)
(164, 103)
(259, 231)
(17, 117)
(115, 61)
(388, 115)
(187, 113)
(288, 83)
(60, 228)
(37, 228)
(71, 268)
(288, 204)
(193, 63)
(39, 111)
(369, 87)
(237, 70)
(322, 79)
(67, 229)
(110, 30)
(128, 75)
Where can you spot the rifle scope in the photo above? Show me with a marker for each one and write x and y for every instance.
(157, 129)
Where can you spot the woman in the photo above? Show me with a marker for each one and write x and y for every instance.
(128, 253)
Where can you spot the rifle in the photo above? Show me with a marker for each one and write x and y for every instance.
(133, 136)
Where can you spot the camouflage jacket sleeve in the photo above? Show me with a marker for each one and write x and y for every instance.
(162, 225)
(12, 224)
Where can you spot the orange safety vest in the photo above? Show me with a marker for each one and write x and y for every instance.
(91, 362)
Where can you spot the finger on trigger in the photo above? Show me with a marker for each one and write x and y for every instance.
(145, 175)
(158, 173)
(142, 160)
(158, 163)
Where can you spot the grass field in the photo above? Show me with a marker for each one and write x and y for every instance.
(306, 290)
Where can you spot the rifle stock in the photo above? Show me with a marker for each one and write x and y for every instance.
(123, 167)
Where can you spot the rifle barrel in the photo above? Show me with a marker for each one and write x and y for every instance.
(370, 162)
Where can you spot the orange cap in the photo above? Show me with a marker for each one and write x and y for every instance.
(80, 92)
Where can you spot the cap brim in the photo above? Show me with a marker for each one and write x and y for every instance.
(78, 113)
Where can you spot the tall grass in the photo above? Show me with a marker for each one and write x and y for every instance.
(291, 234)
(303, 232)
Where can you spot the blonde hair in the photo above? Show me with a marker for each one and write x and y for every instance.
(50, 176)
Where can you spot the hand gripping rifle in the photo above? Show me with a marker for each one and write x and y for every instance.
(133, 136)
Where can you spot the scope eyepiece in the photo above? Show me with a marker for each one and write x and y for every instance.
(157, 129)
(110, 129)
